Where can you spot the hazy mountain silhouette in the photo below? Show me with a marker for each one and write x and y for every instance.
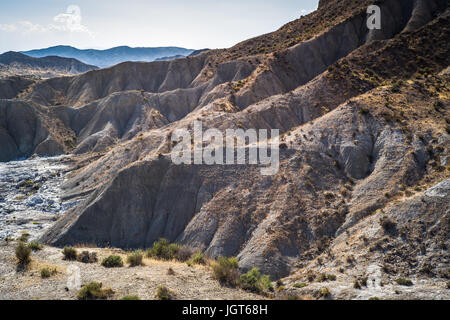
(109, 57)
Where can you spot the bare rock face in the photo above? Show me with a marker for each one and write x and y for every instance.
(24, 131)
(10, 87)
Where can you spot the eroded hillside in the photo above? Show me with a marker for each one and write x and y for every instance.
(364, 117)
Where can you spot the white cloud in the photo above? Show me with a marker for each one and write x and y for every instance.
(64, 22)
(29, 27)
(70, 21)
(8, 27)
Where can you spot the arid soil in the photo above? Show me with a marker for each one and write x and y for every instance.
(192, 283)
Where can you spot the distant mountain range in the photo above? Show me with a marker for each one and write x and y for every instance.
(15, 63)
(109, 57)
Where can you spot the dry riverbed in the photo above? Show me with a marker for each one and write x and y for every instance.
(30, 195)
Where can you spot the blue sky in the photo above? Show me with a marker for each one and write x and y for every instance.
(102, 24)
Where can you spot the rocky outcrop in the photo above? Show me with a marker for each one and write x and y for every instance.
(25, 131)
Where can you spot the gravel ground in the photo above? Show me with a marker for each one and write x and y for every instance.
(193, 283)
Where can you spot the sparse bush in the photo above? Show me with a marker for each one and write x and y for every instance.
(94, 291)
(325, 293)
(163, 250)
(226, 271)
(198, 258)
(311, 276)
(173, 249)
(387, 224)
(170, 272)
(112, 262)
(134, 259)
(163, 293)
(35, 246)
(256, 282)
(23, 253)
(396, 86)
(364, 110)
(69, 253)
(326, 277)
(331, 277)
(364, 281)
(374, 298)
(24, 237)
(47, 273)
(133, 297)
(87, 257)
(404, 282)
(184, 254)
(300, 285)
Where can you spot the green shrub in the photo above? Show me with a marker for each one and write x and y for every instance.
(23, 253)
(198, 258)
(404, 282)
(172, 251)
(134, 259)
(35, 246)
(300, 285)
(374, 298)
(112, 262)
(94, 291)
(69, 253)
(87, 257)
(325, 293)
(163, 293)
(326, 277)
(47, 273)
(256, 282)
(163, 250)
(226, 271)
(281, 288)
(159, 249)
(133, 297)
(24, 237)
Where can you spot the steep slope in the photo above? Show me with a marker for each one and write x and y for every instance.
(335, 172)
(110, 57)
(12, 86)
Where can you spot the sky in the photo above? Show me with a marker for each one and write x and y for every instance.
(102, 24)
